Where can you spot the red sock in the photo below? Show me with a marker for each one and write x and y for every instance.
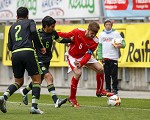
(73, 89)
(100, 82)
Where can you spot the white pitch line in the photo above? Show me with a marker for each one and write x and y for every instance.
(89, 106)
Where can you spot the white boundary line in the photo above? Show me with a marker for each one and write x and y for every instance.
(85, 106)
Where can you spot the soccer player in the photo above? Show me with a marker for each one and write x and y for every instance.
(48, 35)
(108, 52)
(80, 54)
(20, 43)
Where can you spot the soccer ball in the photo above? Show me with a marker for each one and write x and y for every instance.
(114, 100)
(116, 41)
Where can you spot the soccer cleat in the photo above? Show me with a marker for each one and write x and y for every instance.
(24, 97)
(74, 103)
(35, 111)
(3, 104)
(104, 93)
(59, 102)
(115, 92)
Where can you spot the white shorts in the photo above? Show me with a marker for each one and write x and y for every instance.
(70, 60)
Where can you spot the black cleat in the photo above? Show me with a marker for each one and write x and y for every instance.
(59, 102)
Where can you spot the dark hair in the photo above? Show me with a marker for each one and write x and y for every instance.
(94, 26)
(22, 12)
(47, 20)
(108, 20)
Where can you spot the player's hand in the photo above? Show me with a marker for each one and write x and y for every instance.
(72, 38)
(43, 50)
(118, 45)
(77, 63)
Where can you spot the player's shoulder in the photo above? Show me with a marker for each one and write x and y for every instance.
(96, 39)
(31, 20)
(80, 29)
(115, 31)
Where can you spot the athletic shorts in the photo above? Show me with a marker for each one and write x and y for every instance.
(25, 59)
(44, 67)
(70, 60)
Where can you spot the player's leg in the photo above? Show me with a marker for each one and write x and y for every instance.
(18, 71)
(24, 93)
(73, 88)
(107, 72)
(98, 68)
(51, 89)
(33, 69)
(74, 81)
(114, 74)
(100, 83)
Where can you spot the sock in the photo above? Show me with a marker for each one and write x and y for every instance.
(52, 92)
(27, 89)
(73, 90)
(100, 82)
(36, 88)
(10, 90)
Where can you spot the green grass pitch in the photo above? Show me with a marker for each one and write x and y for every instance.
(92, 108)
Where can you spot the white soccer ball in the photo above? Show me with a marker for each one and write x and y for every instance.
(116, 41)
(114, 100)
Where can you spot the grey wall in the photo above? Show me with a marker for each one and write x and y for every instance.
(130, 78)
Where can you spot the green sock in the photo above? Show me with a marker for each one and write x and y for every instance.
(52, 92)
(10, 90)
(36, 88)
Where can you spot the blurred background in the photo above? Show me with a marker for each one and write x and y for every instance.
(130, 17)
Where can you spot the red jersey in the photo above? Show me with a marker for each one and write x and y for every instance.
(81, 44)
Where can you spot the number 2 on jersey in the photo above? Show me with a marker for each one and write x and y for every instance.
(18, 28)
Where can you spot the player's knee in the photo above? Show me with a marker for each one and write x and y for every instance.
(48, 77)
(78, 73)
(100, 70)
(36, 79)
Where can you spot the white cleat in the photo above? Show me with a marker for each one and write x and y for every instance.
(35, 111)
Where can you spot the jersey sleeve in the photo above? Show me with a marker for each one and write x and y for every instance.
(88, 54)
(35, 35)
(122, 40)
(67, 34)
(61, 40)
(9, 41)
(99, 51)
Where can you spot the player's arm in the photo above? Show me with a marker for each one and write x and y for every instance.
(67, 34)
(10, 45)
(85, 58)
(123, 44)
(120, 36)
(62, 40)
(87, 55)
(99, 51)
(123, 41)
(35, 35)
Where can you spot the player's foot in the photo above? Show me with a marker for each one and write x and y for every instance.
(3, 104)
(104, 93)
(24, 97)
(74, 103)
(115, 92)
(35, 111)
(59, 102)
